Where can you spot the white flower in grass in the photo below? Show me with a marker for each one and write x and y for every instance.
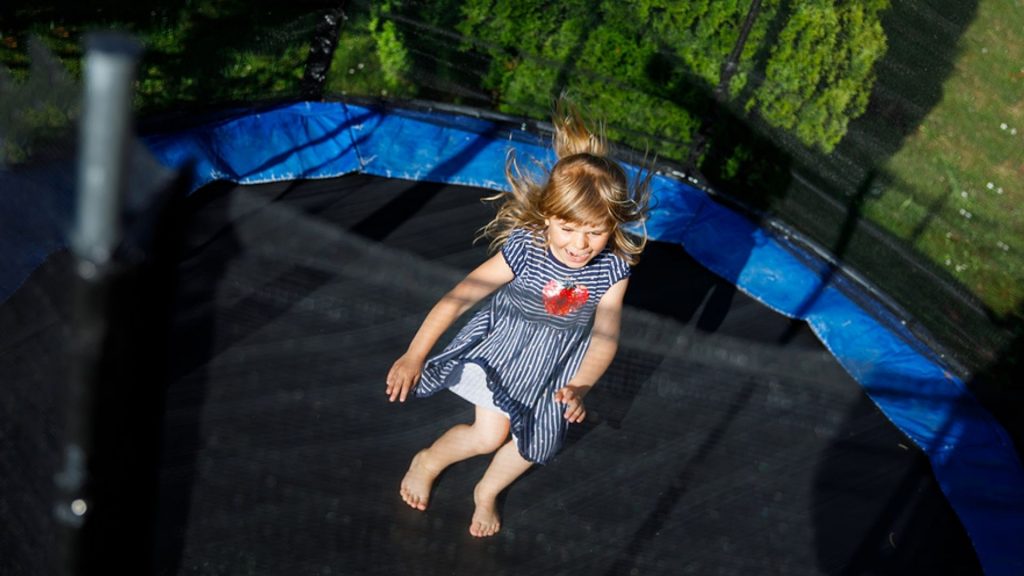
(990, 185)
(963, 194)
(1003, 126)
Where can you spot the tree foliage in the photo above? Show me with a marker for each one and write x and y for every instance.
(649, 67)
(37, 109)
(821, 69)
(539, 50)
(391, 50)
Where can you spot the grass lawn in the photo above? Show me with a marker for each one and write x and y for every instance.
(958, 188)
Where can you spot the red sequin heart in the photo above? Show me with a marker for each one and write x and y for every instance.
(561, 298)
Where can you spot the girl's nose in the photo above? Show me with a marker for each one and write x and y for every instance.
(580, 241)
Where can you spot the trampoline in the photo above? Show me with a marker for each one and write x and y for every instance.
(724, 439)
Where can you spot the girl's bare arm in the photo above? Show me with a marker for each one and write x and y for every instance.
(477, 285)
(604, 343)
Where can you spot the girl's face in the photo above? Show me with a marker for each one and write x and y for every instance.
(575, 244)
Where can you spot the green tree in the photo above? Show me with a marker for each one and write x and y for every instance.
(391, 50)
(597, 53)
(36, 110)
(821, 69)
(651, 67)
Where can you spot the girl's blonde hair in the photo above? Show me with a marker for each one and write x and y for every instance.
(584, 186)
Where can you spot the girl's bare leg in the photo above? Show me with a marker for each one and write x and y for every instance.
(504, 469)
(485, 435)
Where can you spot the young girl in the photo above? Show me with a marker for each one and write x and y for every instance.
(529, 357)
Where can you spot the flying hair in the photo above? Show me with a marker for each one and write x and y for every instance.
(584, 186)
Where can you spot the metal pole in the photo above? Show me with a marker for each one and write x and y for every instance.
(105, 129)
(110, 64)
(321, 52)
(712, 120)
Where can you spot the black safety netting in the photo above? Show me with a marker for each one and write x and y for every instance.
(714, 445)
(824, 157)
(826, 178)
(682, 82)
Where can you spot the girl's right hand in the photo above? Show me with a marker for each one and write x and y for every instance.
(403, 376)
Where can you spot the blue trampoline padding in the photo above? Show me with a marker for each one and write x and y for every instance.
(971, 455)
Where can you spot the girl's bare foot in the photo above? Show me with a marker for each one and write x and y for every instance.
(417, 481)
(485, 517)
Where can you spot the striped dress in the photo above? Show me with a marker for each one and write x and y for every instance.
(528, 341)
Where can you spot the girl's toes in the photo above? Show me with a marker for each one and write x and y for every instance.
(483, 530)
(411, 499)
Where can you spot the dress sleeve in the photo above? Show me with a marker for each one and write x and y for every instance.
(618, 270)
(515, 249)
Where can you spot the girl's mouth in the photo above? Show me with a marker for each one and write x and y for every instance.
(577, 257)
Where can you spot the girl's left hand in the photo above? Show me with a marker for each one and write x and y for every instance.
(572, 397)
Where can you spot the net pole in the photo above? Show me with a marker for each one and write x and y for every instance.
(104, 137)
(321, 52)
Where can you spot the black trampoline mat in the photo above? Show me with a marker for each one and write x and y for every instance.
(723, 439)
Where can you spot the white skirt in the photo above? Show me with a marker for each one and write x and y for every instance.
(472, 386)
